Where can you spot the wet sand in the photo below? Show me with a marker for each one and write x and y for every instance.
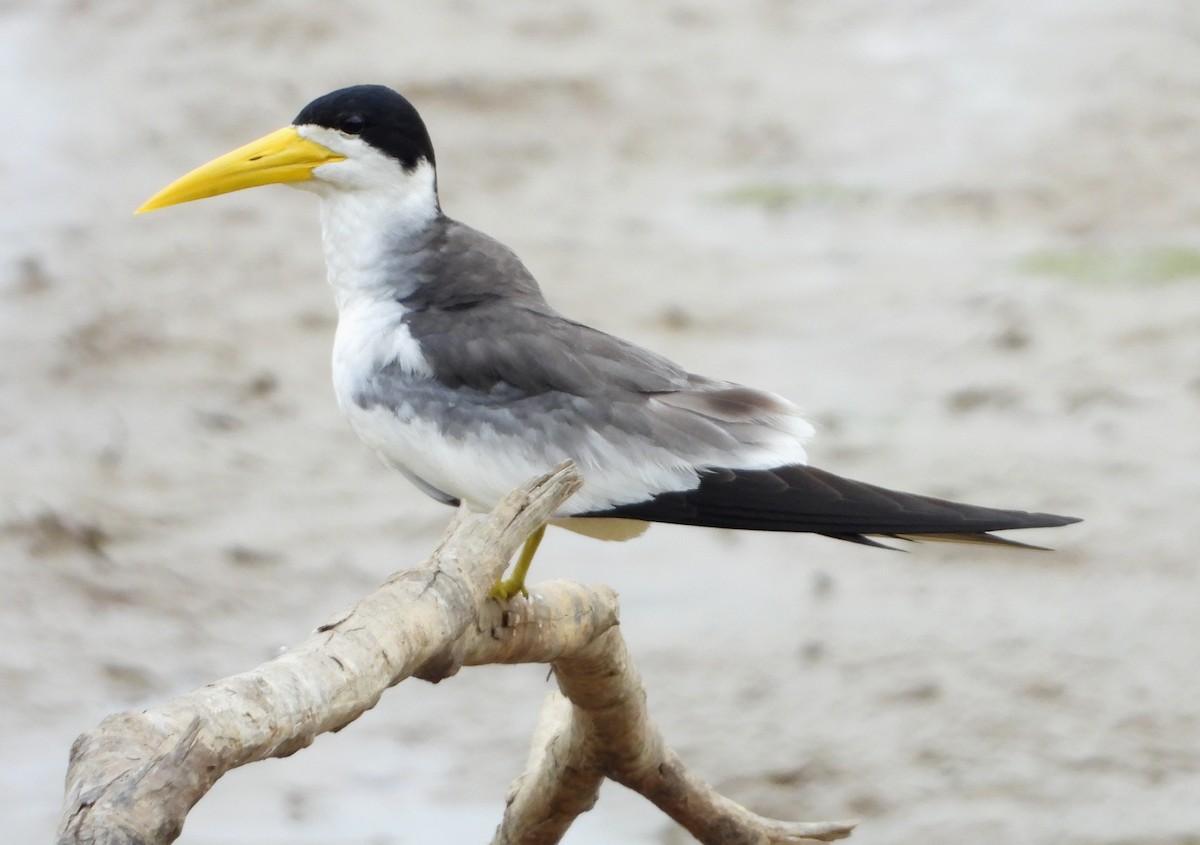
(965, 237)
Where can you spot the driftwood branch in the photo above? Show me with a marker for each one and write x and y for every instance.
(133, 778)
(599, 728)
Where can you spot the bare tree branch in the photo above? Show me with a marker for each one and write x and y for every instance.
(601, 728)
(133, 778)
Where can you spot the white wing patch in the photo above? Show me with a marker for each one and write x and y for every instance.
(770, 430)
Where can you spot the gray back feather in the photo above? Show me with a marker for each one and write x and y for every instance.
(505, 362)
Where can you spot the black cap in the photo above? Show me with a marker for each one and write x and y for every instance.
(377, 114)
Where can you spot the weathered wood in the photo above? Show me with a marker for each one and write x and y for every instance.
(133, 778)
(599, 728)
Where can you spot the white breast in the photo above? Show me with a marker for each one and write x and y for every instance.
(371, 335)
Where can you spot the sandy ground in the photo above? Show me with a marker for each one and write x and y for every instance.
(965, 236)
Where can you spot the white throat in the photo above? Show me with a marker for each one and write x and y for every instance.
(372, 208)
(364, 232)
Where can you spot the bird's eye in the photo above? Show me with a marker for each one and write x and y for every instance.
(352, 124)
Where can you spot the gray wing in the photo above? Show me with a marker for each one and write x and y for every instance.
(517, 388)
(493, 342)
(521, 369)
(482, 323)
(523, 387)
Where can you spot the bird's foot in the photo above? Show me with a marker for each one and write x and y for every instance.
(506, 588)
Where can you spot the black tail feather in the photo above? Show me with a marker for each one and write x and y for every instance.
(807, 499)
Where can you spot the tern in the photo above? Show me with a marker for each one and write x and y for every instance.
(450, 364)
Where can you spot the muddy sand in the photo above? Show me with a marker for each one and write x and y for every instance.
(964, 236)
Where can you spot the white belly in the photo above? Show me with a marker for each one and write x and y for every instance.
(480, 468)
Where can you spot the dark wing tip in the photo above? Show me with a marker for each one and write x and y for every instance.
(807, 499)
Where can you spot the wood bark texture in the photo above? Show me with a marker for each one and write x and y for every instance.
(134, 777)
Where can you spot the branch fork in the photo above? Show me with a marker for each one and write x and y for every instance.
(134, 777)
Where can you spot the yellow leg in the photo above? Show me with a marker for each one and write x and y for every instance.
(506, 588)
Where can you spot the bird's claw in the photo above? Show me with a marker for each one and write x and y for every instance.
(505, 589)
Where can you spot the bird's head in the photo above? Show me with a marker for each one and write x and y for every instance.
(362, 138)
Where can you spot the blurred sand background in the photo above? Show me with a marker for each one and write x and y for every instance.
(964, 235)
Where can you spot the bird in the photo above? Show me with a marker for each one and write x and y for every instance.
(451, 365)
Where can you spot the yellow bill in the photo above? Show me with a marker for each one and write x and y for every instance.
(282, 156)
